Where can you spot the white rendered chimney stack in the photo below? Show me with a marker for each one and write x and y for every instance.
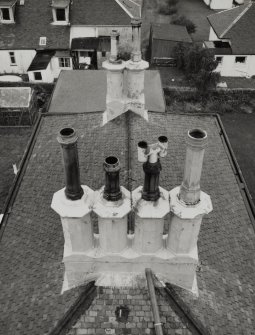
(115, 101)
(188, 203)
(135, 73)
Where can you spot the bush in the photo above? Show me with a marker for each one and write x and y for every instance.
(124, 52)
(183, 21)
(198, 65)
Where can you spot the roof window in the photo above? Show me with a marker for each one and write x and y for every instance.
(7, 11)
(42, 41)
(60, 12)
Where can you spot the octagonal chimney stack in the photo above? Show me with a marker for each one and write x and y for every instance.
(68, 140)
(136, 54)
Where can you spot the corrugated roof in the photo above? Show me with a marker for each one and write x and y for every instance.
(92, 84)
(41, 60)
(238, 25)
(170, 32)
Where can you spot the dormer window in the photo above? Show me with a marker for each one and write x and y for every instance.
(7, 11)
(60, 11)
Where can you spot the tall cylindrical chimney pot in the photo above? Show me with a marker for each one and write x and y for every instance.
(114, 45)
(68, 140)
(190, 188)
(136, 54)
(112, 191)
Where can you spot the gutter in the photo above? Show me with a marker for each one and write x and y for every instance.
(17, 181)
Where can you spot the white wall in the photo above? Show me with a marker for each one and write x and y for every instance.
(23, 60)
(54, 64)
(229, 68)
(47, 75)
(81, 31)
(221, 4)
(212, 35)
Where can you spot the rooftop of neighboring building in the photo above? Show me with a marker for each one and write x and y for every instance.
(38, 14)
(31, 247)
(92, 84)
(237, 25)
(170, 32)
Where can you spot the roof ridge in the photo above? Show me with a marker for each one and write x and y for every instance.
(124, 8)
(237, 19)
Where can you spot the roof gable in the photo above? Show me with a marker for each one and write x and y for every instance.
(238, 25)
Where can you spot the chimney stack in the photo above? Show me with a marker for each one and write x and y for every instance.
(188, 203)
(112, 205)
(135, 73)
(74, 202)
(115, 101)
(151, 202)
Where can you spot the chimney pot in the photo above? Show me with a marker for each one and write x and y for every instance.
(68, 140)
(190, 188)
(136, 55)
(112, 191)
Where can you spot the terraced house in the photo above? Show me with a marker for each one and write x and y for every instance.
(41, 38)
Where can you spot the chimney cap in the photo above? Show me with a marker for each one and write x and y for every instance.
(67, 135)
(197, 138)
(136, 21)
(115, 33)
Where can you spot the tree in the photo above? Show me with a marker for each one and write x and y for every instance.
(198, 65)
(168, 7)
(184, 21)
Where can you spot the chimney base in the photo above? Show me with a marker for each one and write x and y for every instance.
(112, 221)
(185, 222)
(75, 219)
(149, 221)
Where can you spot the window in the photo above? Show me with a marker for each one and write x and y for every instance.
(103, 53)
(42, 41)
(6, 14)
(219, 59)
(12, 58)
(60, 14)
(64, 62)
(241, 60)
(37, 75)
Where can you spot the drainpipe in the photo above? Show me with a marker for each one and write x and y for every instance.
(74, 202)
(135, 73)
(151, 202)
(154, 304)
(112, 205)
(188, 203)
(115, 104)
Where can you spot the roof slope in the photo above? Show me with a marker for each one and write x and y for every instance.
(93, 84)
(31, 248)
(238, 25)
(98, 12)
(32, 21)
(170, 32)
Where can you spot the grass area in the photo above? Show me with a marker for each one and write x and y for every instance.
(13, 142)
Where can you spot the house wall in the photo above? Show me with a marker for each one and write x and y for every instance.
(229, 68)
(54, 64)
(219, 4)
(47, 75)
(23, 60)
(81, 31)
(212, 35)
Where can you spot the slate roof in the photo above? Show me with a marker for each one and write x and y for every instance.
(238, 25)
(98, 12)
(133, 8)
(93, 84)
(31, 248)
(170, 32)
(33, 20)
